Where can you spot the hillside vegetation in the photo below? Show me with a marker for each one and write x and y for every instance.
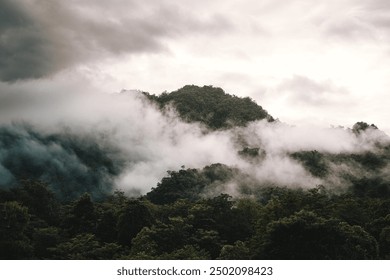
(212, 106)
(58, 198)
(274, 223)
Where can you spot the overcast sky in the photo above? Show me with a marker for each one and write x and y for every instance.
(304, 61)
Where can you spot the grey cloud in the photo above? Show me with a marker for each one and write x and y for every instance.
(21, 44)
(348, 28)
(40, 38)
(301, 89)
(378, 4)
(359, 20)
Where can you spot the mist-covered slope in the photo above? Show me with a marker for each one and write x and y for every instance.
(99, 143)
(70, 163)
(138, 176)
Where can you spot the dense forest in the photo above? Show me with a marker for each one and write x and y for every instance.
(211, 106)
(59, 197)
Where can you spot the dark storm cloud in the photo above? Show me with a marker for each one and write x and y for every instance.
(20, 43)
(40, 38)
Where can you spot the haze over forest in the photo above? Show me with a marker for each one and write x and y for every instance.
(129, 140)
(94, 180)
(243, 130)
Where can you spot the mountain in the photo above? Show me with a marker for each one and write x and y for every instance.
(211, 106)
(237, 183)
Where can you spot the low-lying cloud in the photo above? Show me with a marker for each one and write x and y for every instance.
(100, 142)
(124, 130)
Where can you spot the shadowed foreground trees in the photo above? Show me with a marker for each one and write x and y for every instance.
(14, 242)
(271, 223)
(305, 235)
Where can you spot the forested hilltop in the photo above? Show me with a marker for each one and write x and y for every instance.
(192, 174)
(211, 106)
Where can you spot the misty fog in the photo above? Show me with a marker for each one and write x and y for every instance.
(101, 142)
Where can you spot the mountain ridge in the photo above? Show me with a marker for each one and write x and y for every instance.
(211, 106)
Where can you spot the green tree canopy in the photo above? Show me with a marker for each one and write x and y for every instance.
(212, 106)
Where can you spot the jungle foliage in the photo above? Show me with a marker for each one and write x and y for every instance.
(211, 106)
(273, 223)
(189, 213)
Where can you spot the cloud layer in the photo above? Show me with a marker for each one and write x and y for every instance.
(245, 47)
(101, 142)
(40, 38)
